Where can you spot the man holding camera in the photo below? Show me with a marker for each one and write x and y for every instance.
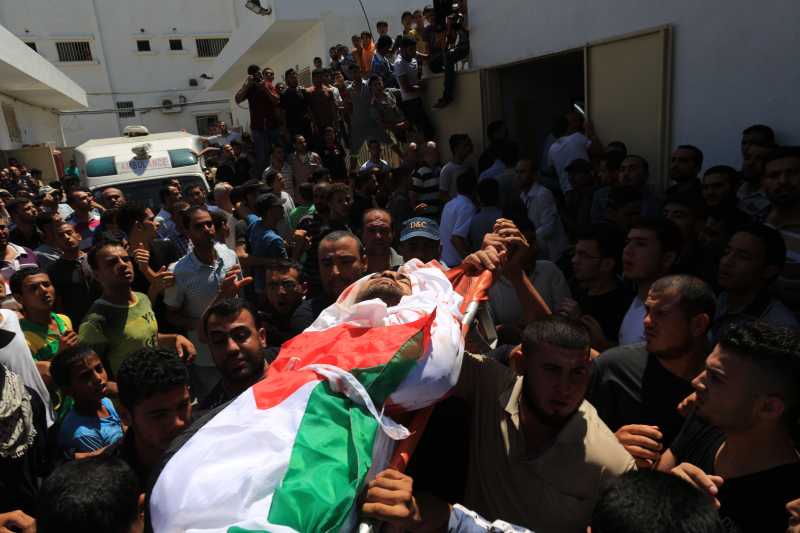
(263, 101)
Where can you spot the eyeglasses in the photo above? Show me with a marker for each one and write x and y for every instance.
(287, 285)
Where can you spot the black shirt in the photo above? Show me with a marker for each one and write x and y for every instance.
(19, 238)
(75, 287)
(295, 103)
(751, 503)
(316, 228)
(218, 395)
(279, 329)
(308, 311)
(608, 309)
(630, 386)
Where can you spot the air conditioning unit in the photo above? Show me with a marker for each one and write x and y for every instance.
(172, 104)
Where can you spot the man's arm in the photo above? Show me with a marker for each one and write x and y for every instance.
(461, 245)
(241, 94)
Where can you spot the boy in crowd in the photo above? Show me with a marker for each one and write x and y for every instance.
(155, 406)
(93, 423)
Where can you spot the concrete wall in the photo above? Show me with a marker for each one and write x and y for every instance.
(119, 72)
(733, 59)
(462, 116)
(36, 125)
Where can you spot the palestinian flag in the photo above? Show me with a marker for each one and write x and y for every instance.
(294, 451)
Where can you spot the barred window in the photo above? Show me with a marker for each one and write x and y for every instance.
(72, 51)
(304, 77)
(176, 44)
(210, 47)
(126, 110)
(143, 45)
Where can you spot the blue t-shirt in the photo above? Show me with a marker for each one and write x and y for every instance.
(81, 433)
(264, 243)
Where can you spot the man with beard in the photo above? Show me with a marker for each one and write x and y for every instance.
(738, 445)
(378, 236)
(388, 286)
(238, 346)
(636, 389)
(781, 183)
(540, 455)
(685, 165)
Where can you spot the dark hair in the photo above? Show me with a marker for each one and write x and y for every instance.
(655, 502)
(252, 69)
(147, 372)
(218, 218)
(774, 245)
(372, 79)
(508, 153)
(406, 14)
(494, 128)
(44, 219)
(761, 129)
(317, 72)
(15, 284)
(488, 191)
(617, 146)
(15, 203)
(103, 243)
(62, 363)
(642, 161)
(186, 214)
(306, 191)
(283, 265)
(776, 352)
(783, 152)
(384, 41)
(613, 159)
(731, 173)
(696, 295)
(339, 188)
(129, 214)
(381, 23)
(667, 233)
(457, 139)
(336, 236)
(230, 308)
(697, 153)
(556, 330)
(93, 494)
(73, 191)
(269, 176)
(610, 241)
(466, 182)
(406, 41)
(289, 72)
(693, 201)
(163, 193)
(320, 174)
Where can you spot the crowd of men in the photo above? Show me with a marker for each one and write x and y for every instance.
(648, 361)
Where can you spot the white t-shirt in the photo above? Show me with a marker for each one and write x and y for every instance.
(409, 69)
(447, 178)
(456, 218)
(631, 331)
(548, 280)
(566, 150)
(16, 356)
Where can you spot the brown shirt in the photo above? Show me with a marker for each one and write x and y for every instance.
(323, 107)
(554, 492)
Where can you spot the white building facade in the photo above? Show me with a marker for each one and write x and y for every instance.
(141, 62)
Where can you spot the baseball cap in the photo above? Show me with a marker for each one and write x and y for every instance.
(579, 165)
(419, 227)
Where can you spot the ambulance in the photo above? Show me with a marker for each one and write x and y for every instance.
(141, 163)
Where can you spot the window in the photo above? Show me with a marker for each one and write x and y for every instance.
(211, 47)
(10, 114)
(204, 123)
(143, 45)
(32, 46)
(176, 44)
(126, 110)
(74, 51)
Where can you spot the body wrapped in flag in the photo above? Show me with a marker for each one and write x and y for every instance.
(298, 446)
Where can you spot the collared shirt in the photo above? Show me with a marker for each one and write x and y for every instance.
(752, 200)
(22, 257)
(46, 255)
(166, 226)
(196, 283)
(553, 492)
(551, 237)
(456, 218)
(265, 243)
(764, 307)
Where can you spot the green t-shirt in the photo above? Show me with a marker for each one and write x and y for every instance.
(116, 331)
(298, 213)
